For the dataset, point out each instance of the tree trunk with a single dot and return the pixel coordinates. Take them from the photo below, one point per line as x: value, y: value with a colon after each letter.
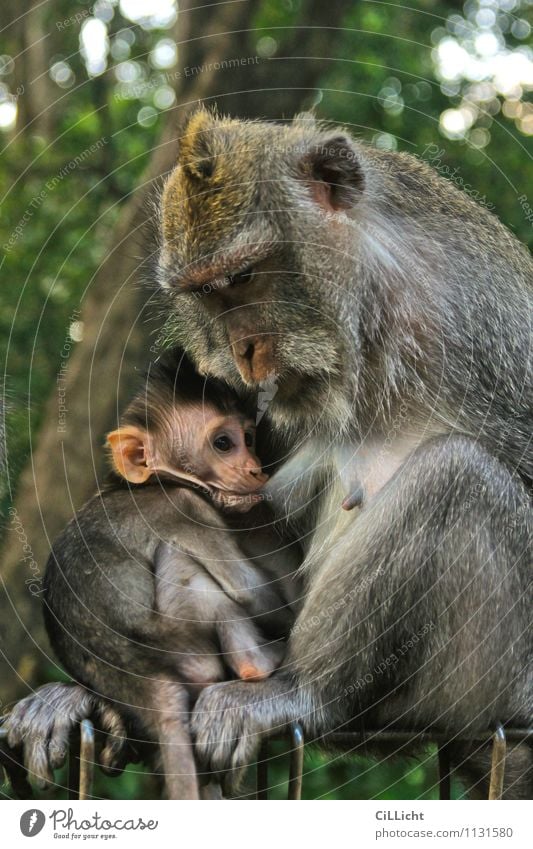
x: 37, y: 102
x: 66, y: 465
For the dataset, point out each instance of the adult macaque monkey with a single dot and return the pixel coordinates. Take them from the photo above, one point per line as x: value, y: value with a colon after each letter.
x: 149, y: 590
x: 394, y: 316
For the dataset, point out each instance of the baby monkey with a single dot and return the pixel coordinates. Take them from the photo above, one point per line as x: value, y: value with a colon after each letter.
x: 186, y: 430
x: 152, y: 591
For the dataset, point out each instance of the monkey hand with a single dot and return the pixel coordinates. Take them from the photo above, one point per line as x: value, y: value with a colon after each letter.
x: 41, y: 725
x: 230, y: 720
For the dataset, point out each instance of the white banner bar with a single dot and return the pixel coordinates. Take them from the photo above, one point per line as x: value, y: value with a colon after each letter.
x: 268, y: 825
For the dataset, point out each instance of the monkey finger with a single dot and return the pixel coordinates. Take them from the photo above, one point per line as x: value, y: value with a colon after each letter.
x: 32, y: 740
x: 114, y: 760
x: 245, y: 753
x: 37, y: 762
x: 15, y: 725
x: 232, y: 782
x: 243, y: 756
x: 59, y: 740
x: 115, y: 753
x: 57, y: 751
x: 114, y: 756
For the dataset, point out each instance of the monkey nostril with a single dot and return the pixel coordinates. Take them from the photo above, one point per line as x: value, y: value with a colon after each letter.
x: 245, y: 349
x: 248, y: 353
x: 253, y: 355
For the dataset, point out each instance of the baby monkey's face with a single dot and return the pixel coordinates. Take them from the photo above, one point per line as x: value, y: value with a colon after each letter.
x: 200, y: 445
x: 226, y: 450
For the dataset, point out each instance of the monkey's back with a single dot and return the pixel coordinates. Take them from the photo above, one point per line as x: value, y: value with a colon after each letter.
x: 100, y: 589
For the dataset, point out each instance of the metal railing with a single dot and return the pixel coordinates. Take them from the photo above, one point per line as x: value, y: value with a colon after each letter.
x: 349, y: 742
x: 82, y: 757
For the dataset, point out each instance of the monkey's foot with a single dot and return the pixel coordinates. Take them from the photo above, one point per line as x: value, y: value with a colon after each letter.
x: 230, y: 719
x: 258, y: 664
x: 42, y: 724
x: 249, y: 671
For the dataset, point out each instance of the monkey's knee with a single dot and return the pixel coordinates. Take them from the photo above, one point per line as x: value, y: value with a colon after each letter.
x: 251, y: 655
x: 202, y: 669
x: 258, y: 664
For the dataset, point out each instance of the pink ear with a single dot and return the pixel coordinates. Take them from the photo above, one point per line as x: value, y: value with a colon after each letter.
x: 333, y: 171
x: 128, y: 446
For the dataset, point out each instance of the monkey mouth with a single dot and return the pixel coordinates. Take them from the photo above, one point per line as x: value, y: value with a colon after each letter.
x: 218, y: 494
x: 294, y: 381
x: 273, y: 387
x: 235, y: 493
x: 237, y: 499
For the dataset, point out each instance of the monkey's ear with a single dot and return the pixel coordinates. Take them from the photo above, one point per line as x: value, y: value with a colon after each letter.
x: 128, y: 453
x: 195, y: 156
x: 334, y: 172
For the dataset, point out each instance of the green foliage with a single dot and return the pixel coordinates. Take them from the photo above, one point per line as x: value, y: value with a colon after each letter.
x: 385, y: 88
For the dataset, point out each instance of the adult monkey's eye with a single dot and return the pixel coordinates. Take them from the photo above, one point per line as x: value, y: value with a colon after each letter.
x: 222, y: 443
x: 242, y: 277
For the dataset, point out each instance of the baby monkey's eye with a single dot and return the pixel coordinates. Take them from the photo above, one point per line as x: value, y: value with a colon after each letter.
x: 248, y: 439
x: 243, y: 276
x: 222, y: 443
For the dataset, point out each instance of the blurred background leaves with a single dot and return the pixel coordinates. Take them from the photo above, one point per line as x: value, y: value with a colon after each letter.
x: 91, y: 95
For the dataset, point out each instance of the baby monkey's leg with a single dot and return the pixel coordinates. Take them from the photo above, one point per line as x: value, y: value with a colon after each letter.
x: 245, y: 650
x: 200, y: 613
x: 251, y: 655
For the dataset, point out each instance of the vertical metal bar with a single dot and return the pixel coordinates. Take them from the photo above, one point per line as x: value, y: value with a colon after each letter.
x: 262, y: 772
x: 497, y: 772
x: 87, y: 754
x: 297, y: 761
x: 444, y: 772
x: 73, y: 779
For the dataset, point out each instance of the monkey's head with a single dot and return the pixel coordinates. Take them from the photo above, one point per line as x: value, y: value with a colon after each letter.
x: 187, y: 428
x: 255, y: 237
